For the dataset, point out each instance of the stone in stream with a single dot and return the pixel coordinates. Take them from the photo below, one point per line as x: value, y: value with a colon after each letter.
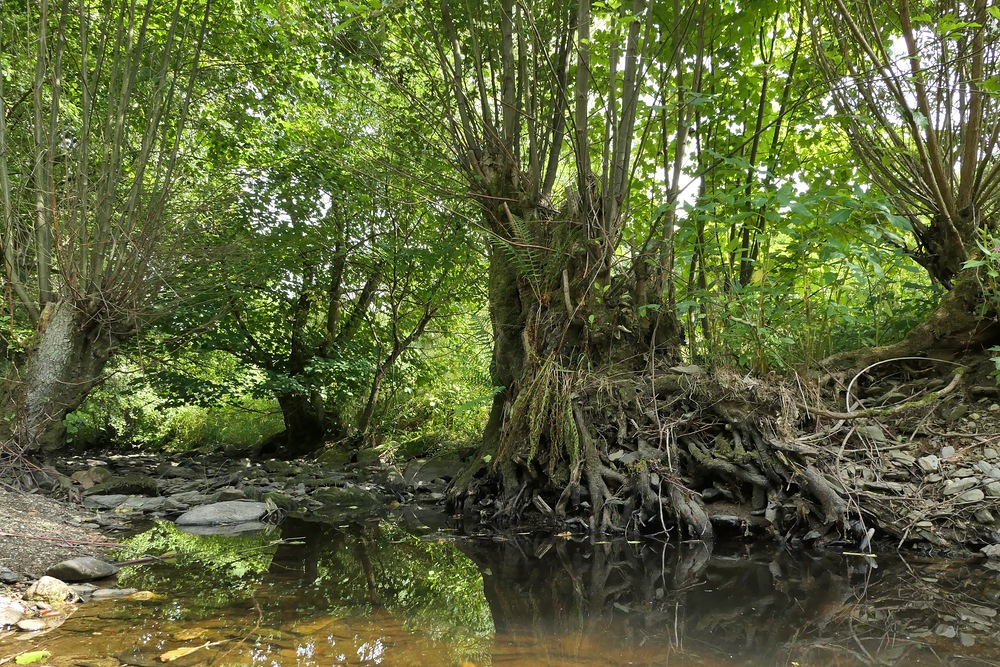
x: 11, y: 611
x: 226, y: 512
x: 49, y: 589
x: 82, y: 568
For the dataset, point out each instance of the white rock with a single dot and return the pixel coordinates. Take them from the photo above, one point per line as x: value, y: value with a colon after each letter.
x: 947, y: 452
x: 11, y: 611
x: 929, y: 463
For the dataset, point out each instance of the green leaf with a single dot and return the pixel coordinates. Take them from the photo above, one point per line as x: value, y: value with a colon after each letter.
x: 31, y: 656
x: 839, y: 217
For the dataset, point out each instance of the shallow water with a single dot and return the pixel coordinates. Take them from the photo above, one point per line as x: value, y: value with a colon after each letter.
x: 378, y: 593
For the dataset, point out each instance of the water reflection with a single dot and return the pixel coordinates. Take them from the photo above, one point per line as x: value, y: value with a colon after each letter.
x: 375, y: 594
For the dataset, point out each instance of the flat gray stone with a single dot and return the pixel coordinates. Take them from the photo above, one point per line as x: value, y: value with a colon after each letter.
x: 993, y: 489
x: 226, y: 512
x: 82, y: 568
x: 108, y: 502
x: 972, y: 496
x: 955, y: 486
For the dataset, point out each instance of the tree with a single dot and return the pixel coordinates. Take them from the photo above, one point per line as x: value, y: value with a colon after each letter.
x: 573, y: 124
x: 91, y: 158
x: 916, y: 85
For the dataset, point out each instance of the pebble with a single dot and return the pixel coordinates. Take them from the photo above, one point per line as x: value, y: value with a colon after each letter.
x: 993, y: 489
x: 929, y: 463
x: 985, y: 516
x: 947, y: 452
x: 32, y: 625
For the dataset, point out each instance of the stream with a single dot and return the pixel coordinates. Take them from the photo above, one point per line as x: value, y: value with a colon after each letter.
x: 400, y: 593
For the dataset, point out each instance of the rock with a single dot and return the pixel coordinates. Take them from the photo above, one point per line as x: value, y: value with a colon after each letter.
x: 91, y: 477
x: 947, y: 452
x: 32, y: 625
x: 993, y: 489
x: 929, y: 463
x: 231, y: 493
x: 873, y: 432
x: 985, y: 516
x: 991, y: 551
x: 990, y: 454
x: 281, y: 501
x: 104, y: 502
x: 345, y: 496
x: 143, y: 504
x: 11, y: 611
x: 962, y: 472
x: 9, y: 576
x: 422, y: 472
x: 49, y: 589
x: 112, y: 593
x: 227, y: 512
x: 954, y: 486
x: 82, y: 568
x: 972, y: 496
x: 132, y: 485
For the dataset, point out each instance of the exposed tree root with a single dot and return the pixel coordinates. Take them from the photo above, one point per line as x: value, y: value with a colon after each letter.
x: 704, y: 456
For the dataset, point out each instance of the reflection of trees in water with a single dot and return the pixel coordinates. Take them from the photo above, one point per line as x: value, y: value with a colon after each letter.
x: 753, y: 607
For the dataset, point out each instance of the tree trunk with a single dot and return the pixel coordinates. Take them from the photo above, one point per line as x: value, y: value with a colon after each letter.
x: 305, y: 427
x: 73, y: 347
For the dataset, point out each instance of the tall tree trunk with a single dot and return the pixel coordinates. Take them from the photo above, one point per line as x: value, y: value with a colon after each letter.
x: 305, y: 427
x: 73, y: 347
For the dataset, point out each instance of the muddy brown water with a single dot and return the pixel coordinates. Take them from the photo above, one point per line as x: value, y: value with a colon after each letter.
x: 381, y: 593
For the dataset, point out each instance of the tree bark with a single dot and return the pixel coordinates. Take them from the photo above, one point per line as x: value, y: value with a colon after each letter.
x: 73, y: 347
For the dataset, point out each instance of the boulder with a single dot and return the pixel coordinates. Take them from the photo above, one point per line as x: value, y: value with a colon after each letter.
x: 223, y: 513
x: 50, y: 590
x: 82, y: 568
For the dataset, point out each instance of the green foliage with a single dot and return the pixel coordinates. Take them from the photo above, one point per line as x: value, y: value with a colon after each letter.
x: 430, y: 583
x: 129, y: 411
x: 221, y: 569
